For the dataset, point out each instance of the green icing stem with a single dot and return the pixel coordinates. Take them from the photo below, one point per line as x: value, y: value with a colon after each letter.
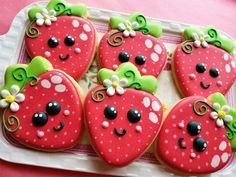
x: 215, y: 37
x: 11, y: 120
x: 145, y: 27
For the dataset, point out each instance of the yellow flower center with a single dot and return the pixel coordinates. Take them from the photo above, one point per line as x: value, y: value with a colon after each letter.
x: 221, y: 114
x: 202, y: 39
x: 10, y: 98
x: 114, y: 84
x: 129, y: 28
x: 46, y: 17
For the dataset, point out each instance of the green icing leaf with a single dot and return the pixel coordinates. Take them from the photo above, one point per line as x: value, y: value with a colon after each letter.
x: 216, y: 37
x: 61, y: 8
x: 145, y: 27
x: 218, y: 98
x: 130, y: 72
x: 20, y: 74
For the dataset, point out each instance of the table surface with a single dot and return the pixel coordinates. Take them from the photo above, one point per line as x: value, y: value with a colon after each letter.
x: 219, y: 13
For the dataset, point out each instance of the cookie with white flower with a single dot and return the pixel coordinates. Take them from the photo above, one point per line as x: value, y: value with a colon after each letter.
x: 61, y: 33
x: 203, y: 63
x: 36, y: 110
x: 122, y: 115
x: 198, y: 135
x: 134, y: 40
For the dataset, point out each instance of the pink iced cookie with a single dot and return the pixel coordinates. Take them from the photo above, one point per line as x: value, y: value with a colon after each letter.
x: 67, y: 41
x: 132, y: 41
x: 193, y: 138
x: 200, y: 68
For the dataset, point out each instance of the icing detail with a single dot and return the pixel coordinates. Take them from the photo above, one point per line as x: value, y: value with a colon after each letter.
x: 215, y: 161
x: 105, y: 124
x: 138, y: 129
x: 200, y: 39
x: 128, y: 28
x: 146, y: 102
x: 181, y: 125
x: 56, y: 79
x: 187, y: 47
x: 46, y: 84
x: 47, y: 54
x: 153, y: 117
x: 75, y: 23
x: 148, y: 43
x: 40, y: 134
x: 115, y: 39
x: 45, y: 17
x: 219, y: 83
x: 66, y: 113
x: 192, y: 76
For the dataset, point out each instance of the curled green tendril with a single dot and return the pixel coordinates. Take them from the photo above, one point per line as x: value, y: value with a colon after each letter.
x: 133, y: 83
x: 213, y: 38
x: 98, y: 96
x: 11, y: 121
x: 60, y: 9
x: 231, y: 131
x: 187, y: 47
x: 32, y: 31
x: 202, y: 110
x: 117, y: 40
x: 142, y: 24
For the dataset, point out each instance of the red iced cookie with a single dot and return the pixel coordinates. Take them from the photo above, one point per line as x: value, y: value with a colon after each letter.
x: 134, y: 40
x: 64, y: 37
x: 37, y: 111
x: 199, y: 67
x: 193, y: 136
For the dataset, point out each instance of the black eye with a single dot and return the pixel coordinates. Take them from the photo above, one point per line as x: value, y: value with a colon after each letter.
x: 53, y: 108
x: 69, y: 41
x: 201, y: 68
x: 194, y: 128
x: 110, y: 112
x: 53, y: 42
x: 199, y: 144
x: 140, y: 60
x: 214, y: 72
x: 124, y: 57
x: 134, y: 115
x: 39, y: 119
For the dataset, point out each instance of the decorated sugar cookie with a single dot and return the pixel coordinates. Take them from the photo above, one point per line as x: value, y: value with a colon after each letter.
x: 62, y: 34
x: 202, y: 64
x: 133, y: 40
x: 195, y: 138
x: 122, y: 115
x: 41, y: 106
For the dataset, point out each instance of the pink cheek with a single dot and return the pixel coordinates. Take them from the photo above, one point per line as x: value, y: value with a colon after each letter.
x: 181, y: 125
x: 115, y: 67
x: 47, y: 54
x: 192, y: 76
x: 219, y: 83
x: 66, y: 113
x: 77, y: 50
x: 144, y: 71
x: 193, y: 155
x: 138, y: 129
x: 40, y: 134
x: 105, y: 124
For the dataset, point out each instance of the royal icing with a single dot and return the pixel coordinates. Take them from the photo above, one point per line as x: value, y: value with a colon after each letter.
x: 36, y: 110
x: 67, y: 39
x: 120, y: 128
x: 190, y: 141
x: 134, y: 40
x: 201, y: 66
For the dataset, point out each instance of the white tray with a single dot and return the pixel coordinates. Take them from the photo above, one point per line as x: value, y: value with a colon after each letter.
x: 82, y: 159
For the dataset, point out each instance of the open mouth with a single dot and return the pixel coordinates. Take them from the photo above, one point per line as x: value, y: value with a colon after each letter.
x: 181, y: 143
x: 59, y: 127
x: 63, y: 58
x: 122, y: 133
x: 205, y: 86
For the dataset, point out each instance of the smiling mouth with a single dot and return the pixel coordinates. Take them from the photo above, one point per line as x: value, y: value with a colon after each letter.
x: 63, y: 58
x: 180, y: 142
x: 122, y: 133
x: 204, y: 86
x: 59, y: 127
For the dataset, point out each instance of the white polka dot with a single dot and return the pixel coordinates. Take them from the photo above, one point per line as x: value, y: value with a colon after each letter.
x: 75, y: 23
x: 146, y: 102
x: 83, y: 36
x: 56, y: 79
x: 155, y: 106
x: 158, y: 49
x: 154, y: 57
x: 86, y: 28
x: 153, y: 117
x: 233, y: 64
x: 226, y: 56
x: 224, y: 157
x: 148, y: 43
x: 45, y: 83
x: 60, y: 88
x: 215, y: 161
x: 222, y: 146
x: 227, y: 68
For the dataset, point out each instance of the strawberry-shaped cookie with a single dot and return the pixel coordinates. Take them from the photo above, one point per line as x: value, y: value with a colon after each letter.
x: 134, y: 40
x: 202, y: 64
x: 42, y: 106
x: 62, y: 34
x: 122, y: 117
x: 193, y: 137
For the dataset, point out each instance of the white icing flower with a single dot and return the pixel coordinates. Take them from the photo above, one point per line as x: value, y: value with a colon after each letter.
x: 45, y: 17
x: 200, y: 39
x: 115, y: 85
x: 128, y: 28
x: 221, y: 115
x: 12, y: 98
